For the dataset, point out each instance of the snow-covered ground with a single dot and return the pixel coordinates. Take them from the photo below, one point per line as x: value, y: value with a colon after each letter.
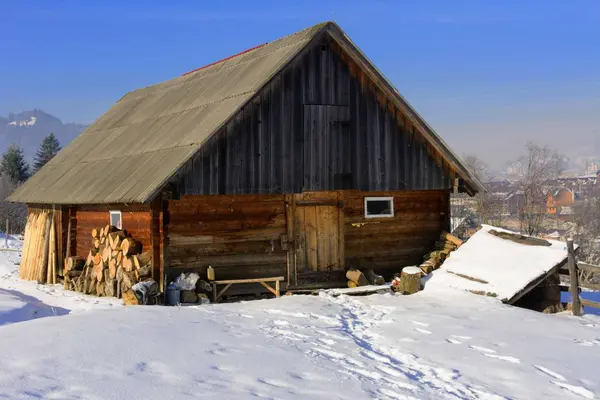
x: 440, y: 343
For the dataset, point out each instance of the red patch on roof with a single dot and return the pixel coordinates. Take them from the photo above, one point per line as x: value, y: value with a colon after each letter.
x: 225, y: 59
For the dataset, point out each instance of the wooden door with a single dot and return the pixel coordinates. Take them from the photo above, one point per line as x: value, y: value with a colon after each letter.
x: 318, y: 240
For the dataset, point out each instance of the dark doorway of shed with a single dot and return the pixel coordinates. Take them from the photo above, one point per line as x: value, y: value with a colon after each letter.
x: 318, y: 245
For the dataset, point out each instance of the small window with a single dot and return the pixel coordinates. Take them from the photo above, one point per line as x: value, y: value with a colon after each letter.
x: 115, y: 219
x: 379, y: 207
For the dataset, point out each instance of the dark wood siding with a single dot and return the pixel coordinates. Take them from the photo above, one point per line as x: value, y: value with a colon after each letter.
x: 240, y: 236
x: 319, y: 125
x: 386, y: 244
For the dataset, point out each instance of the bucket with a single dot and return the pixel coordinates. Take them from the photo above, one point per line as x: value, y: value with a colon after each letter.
x: 173, y: 296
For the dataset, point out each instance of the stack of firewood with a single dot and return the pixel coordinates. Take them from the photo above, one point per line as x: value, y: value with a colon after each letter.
x: 443, y: 247
x: 113, y: 265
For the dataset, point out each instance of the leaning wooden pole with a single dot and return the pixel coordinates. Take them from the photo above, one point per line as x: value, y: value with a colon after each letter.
x: 576, y: 303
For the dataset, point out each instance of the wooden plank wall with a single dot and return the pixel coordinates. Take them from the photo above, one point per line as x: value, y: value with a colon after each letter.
x: 136, y: 221
x: 264, y: 148
x: 240, y: 236
x: 385, y: 244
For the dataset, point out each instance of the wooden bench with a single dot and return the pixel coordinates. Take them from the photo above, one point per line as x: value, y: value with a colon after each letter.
x: 262, y: 281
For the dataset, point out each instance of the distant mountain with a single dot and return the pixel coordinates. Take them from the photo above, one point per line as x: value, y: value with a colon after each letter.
x: 28, y: 128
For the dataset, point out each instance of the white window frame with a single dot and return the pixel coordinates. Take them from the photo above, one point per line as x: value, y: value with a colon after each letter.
x: 111, y: 213
x: 390, y: 199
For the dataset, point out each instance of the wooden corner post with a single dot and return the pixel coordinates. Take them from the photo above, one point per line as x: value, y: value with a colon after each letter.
x: 576, y: 303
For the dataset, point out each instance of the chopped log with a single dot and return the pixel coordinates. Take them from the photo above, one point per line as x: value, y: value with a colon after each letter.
x: 112, y: 269
x: 356, y: 276
x: 100, y: 289
x: 109, y: 229
x: 115, y: 238
x: 517, y: 238
x: 110, y: 288
x: 96, y: 233
x: 140, y: 260
x: 130, y: 246
x: 119, y: 287
x: 106, y: 254
x: 96, y: 259
x: 74, y: 264
x: 96, y: 243
x: 410, y: 280
x: 451, y: 238
x: 119, y: 257
x: 103, y: 240
x: 127, y: 264
x: 119, y: 274
x: 98, y: 271
x: 352, y: 284
x: 129, y: 298
x: 427, y: 268
x: 128, y: 280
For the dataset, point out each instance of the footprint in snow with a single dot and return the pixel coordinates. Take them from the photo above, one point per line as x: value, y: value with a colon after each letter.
x: 492, y: 354
x: 553, y: 374
x: 423, y: 331
x: 578, y: 390
x: 588, y: 343
x: 420, y: 323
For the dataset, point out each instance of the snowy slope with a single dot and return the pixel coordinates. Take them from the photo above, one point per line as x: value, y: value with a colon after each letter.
x: 497, y: 265
x: 437, y: 344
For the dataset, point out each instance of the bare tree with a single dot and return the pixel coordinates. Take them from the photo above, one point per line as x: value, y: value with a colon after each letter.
x: 536, y: 170
x: 587, y: 230
x: 488, y: 205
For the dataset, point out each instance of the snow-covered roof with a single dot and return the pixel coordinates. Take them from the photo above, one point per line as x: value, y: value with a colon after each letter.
x: 497, y: 267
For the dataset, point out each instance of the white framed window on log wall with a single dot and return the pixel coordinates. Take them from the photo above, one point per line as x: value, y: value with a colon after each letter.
x: 379, y: 207
x: 116, y: 219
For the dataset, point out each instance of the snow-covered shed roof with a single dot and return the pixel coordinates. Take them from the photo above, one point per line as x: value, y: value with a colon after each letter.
x: 494, y: 266
x: 129, y: 154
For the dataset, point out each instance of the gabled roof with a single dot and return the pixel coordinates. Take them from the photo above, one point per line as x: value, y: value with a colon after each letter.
x: 131, y: 152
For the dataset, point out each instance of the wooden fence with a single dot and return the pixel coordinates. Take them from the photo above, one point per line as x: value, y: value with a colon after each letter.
x: 580, y: 276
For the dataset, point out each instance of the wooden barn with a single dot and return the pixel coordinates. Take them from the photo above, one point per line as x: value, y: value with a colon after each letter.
x: 295, y: 158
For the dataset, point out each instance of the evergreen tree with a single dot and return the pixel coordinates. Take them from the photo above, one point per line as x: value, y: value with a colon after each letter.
x: 48, y: 149
x: 13, y: 165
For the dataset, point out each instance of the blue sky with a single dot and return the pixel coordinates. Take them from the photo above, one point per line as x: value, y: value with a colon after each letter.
x: 488, y: 75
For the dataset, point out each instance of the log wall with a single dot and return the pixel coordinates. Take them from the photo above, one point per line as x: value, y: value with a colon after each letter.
x: 84, y: 218
x: 240, y: 236
x: 385, y: 244
x: 318, y: 125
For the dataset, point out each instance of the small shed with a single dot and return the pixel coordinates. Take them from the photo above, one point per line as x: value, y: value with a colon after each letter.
x: 295, y: 158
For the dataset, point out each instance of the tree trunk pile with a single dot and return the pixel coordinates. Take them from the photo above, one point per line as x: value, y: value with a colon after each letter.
x: 443, y: 247
x: 39, y: 256
x: 114, y: 264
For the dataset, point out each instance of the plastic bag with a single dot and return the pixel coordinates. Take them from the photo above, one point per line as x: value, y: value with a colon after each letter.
x: 186, y: 281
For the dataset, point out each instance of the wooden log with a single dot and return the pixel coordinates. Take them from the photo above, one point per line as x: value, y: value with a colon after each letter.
x: 410, y: 280
x: 74, y: 263
x: 356, y: 276
x: 115, y: 238
x: 96, y: 233
x: 119, y: 257
x: 451, y: 238
x: 106, y: 254
x: 142, y: 259
x: 127, y: 264
x: 100, y: 288
x: 73, y: 274
x: 98, y: 271
x: 119, y: 274
x: 97, y: 259
x: 129, y: 298
x: 43, y: 266
x: 573, y: 278
x: 96, y: 243
x: 112, y: 268
x: 128, y: 280
x: 521, y: 239
x: 110, y: 288
x: 352, y: 284
x: 130, y: 247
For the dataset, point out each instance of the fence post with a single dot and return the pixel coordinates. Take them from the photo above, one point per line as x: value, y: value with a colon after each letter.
x: 576, y: 304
